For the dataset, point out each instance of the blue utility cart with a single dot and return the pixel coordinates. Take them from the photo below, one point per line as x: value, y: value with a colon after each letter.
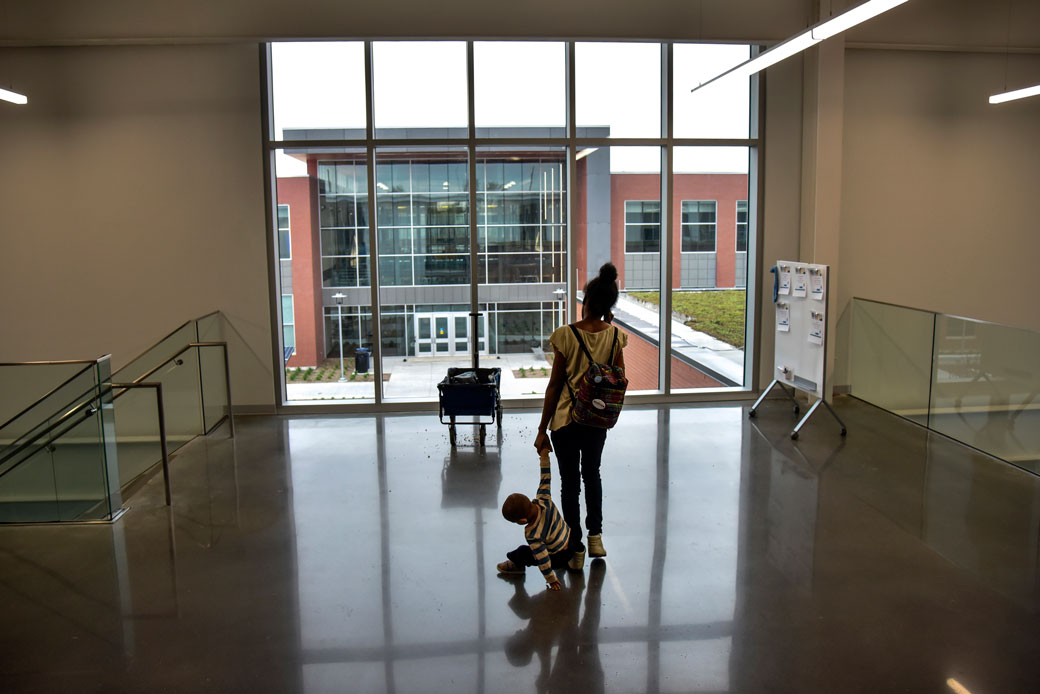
x: 469, y: 392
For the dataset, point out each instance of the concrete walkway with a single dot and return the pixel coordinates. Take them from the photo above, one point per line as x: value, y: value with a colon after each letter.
x: 416, y: 378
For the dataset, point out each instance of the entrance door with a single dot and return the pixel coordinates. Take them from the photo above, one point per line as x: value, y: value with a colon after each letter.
x: 432, y: 335
x: 447, y: 334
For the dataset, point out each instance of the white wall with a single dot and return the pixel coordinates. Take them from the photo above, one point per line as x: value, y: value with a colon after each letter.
x: 939, y: 187
x: 132, y: 200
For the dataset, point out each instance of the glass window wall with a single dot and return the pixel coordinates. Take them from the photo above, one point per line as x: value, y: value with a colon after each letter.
x: 708, y: 298
x: 546, y: 207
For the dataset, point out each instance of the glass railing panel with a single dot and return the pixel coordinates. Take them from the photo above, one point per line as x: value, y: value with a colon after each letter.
x: 157, y: 354
x: 214, y: 385
x: 80, y: 481
x: 27, y: 492
x: 891, y: 354
x: 33, y: 420
x: 59, y: 477
x: 137, y: 432
x: 23, y: 384
x: 211, y: 328
x: 986, y: 390
x: 182, y: 397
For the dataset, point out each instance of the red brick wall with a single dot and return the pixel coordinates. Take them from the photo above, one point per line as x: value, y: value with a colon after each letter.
x: 641, y: 360
x: 627, y: 187
x: 301, y: 195
x: 725, y: 189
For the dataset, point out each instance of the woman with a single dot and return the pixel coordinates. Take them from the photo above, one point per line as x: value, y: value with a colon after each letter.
x: 578, y: 447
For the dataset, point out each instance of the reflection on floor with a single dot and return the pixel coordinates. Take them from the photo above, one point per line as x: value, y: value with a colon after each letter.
x: 357, y: 554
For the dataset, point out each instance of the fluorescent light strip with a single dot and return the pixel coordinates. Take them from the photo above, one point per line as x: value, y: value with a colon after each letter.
x: 1017, y: 94
x: 13, y: 97
x: 810, y: 37
x: 585, y: 152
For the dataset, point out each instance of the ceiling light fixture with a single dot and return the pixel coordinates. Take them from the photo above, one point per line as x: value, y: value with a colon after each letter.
x: 13, y: 97
x: 1017, y: 94
x: 810, y: 37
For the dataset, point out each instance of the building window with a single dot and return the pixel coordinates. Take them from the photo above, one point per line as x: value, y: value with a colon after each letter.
x: 698, y: 226
x: 742, y: 226
x: 288, y: 322
x: 520, y: 218
x: 643, y: 226
x: 343, y: 217
x: 284, y: 243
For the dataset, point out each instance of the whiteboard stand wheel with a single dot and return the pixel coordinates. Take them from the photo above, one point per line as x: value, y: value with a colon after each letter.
x: 797, y: 409
x: 843, y: 432
x: 751, y: 414
x: 794, y: 435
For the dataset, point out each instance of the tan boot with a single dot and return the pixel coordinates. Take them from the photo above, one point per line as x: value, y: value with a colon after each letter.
x: 577, y: 562
x: 596, y: 546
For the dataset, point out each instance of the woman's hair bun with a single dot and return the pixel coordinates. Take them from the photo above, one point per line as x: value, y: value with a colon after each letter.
x: 608, y: 273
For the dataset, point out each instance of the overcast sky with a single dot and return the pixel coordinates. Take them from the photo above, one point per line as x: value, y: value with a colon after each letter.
x: 423, y: 84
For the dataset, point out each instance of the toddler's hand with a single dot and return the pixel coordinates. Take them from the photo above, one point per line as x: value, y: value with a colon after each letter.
x: 541, y: 442
x: 554, y: 584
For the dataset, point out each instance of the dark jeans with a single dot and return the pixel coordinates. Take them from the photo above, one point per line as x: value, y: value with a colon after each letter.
x: 524, y: 556
x: 578, y: 449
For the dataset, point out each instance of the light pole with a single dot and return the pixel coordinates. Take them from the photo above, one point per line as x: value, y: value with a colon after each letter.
x: 560, y: 293
x: 339, y: 296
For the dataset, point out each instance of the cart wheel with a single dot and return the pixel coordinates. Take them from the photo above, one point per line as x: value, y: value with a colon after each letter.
x: 483, y: 434
x: 451, y: 435
x: 499, y: 416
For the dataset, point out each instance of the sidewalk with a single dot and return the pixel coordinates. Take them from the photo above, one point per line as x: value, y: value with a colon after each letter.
x: 416, y: 378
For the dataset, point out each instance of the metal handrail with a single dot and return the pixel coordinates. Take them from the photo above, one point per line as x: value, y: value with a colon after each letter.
x: 171, y: 334
x: 48, y: 363
x: 63, y: 419
x: 161, y: 412
x: 227, y: 375
x: 52, y: 391
x: 139, y: 382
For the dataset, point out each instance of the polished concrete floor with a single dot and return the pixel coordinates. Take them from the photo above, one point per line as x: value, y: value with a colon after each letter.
x: 356, y: 554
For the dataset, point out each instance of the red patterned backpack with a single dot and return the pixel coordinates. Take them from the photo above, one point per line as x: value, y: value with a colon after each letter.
x: 601, y: 392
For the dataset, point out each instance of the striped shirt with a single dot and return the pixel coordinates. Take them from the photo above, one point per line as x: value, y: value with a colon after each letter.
x: 550, y: 534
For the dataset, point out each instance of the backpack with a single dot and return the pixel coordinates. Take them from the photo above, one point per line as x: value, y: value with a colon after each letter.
x: 601, y: 392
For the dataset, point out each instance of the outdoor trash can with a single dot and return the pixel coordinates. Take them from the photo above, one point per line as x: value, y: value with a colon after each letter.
x: 361, y: 358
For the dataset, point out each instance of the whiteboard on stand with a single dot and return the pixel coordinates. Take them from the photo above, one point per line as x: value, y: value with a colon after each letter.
x: 800, y: 325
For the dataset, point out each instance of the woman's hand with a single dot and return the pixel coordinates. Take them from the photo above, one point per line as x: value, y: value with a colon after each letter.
x: 541, y: 442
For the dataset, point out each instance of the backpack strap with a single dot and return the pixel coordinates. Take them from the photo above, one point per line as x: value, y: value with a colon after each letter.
x: 567, y: 380
x: 581, y: 342
x: 613, y: 347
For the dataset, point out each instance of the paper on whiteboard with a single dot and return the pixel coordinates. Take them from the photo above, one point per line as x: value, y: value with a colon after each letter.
x: 783, y: 318
x: 816, y: 284
x: 816, y: 328
x: 785, y: 280
x: 800, y: 282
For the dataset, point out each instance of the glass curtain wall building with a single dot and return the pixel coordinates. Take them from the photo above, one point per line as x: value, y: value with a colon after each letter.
x: 437, y: 230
